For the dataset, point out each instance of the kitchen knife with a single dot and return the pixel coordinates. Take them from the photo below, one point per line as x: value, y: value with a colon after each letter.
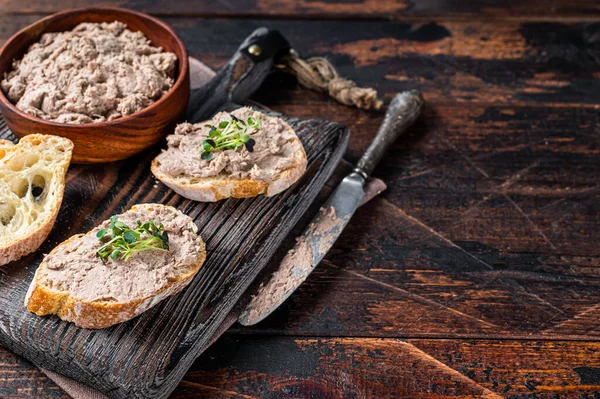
x: 334, y: 215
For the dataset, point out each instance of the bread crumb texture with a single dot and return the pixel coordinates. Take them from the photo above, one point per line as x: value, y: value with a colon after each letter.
x: 32, y: 179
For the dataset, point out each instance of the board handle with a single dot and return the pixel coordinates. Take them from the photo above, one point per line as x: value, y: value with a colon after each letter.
x: 240, y: 77
x: 404, y: 109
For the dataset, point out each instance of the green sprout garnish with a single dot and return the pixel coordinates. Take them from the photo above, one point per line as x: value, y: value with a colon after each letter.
x: 229, y: 135
x: 121, y: 241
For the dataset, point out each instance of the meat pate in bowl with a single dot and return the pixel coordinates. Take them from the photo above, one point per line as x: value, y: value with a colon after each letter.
x: 114, y: 81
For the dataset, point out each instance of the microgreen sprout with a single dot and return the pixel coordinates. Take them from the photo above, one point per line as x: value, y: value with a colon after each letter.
x: 121, y: 241
x: 229, y: 135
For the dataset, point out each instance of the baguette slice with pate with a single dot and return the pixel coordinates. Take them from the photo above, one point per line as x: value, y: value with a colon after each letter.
x: 80, y: 286
x: 276, y: 161
x: 32, y: 183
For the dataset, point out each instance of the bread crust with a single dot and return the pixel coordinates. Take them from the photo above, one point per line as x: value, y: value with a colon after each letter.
x: 44, y: 301
x: 211, y: 189
x: 25, y: 245
x: 28, y: 244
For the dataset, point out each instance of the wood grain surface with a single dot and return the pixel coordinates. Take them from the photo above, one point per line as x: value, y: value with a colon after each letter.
x: 252, y: 367
x: 482, y: 252
x: 306, y: 9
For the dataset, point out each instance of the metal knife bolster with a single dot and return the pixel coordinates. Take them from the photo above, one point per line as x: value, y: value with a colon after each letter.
x: 327, y: 225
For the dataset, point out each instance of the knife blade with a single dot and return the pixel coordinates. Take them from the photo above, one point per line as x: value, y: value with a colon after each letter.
x: 324, y: 229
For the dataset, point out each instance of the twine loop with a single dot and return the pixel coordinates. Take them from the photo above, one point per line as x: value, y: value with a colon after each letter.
x: 319, y: 75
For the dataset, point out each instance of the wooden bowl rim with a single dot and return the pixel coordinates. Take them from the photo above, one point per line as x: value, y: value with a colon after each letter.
x: 180, y: 78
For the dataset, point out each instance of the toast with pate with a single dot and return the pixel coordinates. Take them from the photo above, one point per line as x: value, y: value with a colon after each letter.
x: 32, y: 183
x: 240, y: 154
x: 119, y: 269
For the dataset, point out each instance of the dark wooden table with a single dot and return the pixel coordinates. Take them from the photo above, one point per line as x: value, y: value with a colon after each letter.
x: 476, y: 273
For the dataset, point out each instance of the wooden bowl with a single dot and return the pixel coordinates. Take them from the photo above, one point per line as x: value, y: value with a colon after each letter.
x: 122, y: 137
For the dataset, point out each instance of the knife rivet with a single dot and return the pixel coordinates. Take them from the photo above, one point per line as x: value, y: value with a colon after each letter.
x: 255, y: 50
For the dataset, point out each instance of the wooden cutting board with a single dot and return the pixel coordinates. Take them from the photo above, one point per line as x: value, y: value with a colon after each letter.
x: 147, y: 357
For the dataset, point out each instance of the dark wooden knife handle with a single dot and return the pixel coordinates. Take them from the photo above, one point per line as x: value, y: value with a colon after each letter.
x: 404, y: 109
x: 240, y: 77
